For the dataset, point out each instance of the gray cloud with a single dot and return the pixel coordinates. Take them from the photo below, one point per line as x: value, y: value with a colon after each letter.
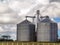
x: 7, y: 28
x: 54, y: 0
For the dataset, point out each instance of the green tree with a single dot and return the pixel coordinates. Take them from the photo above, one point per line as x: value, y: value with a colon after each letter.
x: 6, y: 37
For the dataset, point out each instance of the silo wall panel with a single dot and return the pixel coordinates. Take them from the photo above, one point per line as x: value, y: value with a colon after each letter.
x: 26, y: 32
x: 54, y: 32
x: 32, y: 32
x: 43, y: 33
x: 23, y: 33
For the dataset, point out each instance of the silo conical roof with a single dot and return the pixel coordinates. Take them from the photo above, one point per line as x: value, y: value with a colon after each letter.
x: 25, y: 22
x: 47, y: 19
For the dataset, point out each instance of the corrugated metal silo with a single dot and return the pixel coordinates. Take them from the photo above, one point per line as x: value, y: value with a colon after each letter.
x: 47, y: 30
x: 25, y: 31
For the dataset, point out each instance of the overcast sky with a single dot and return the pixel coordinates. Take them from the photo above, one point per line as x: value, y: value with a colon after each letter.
x: 14, y: 11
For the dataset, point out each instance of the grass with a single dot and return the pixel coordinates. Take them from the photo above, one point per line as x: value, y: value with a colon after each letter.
x: 0, y: 43
x: 28, y: 43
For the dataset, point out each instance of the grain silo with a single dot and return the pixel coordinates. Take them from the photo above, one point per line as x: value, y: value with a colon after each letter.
x: 47, y: 30
x: 25, y: 31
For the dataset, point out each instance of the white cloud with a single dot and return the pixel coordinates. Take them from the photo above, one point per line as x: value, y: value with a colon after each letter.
x: 8, y: 28
x: 17, y: 5
x: 42, y: 1
x: 53, y: 20
x: 53, y: 9
x: 3, y: 7
x: 13, y: 36
x: 1, y: 30
x: 7, y: 15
